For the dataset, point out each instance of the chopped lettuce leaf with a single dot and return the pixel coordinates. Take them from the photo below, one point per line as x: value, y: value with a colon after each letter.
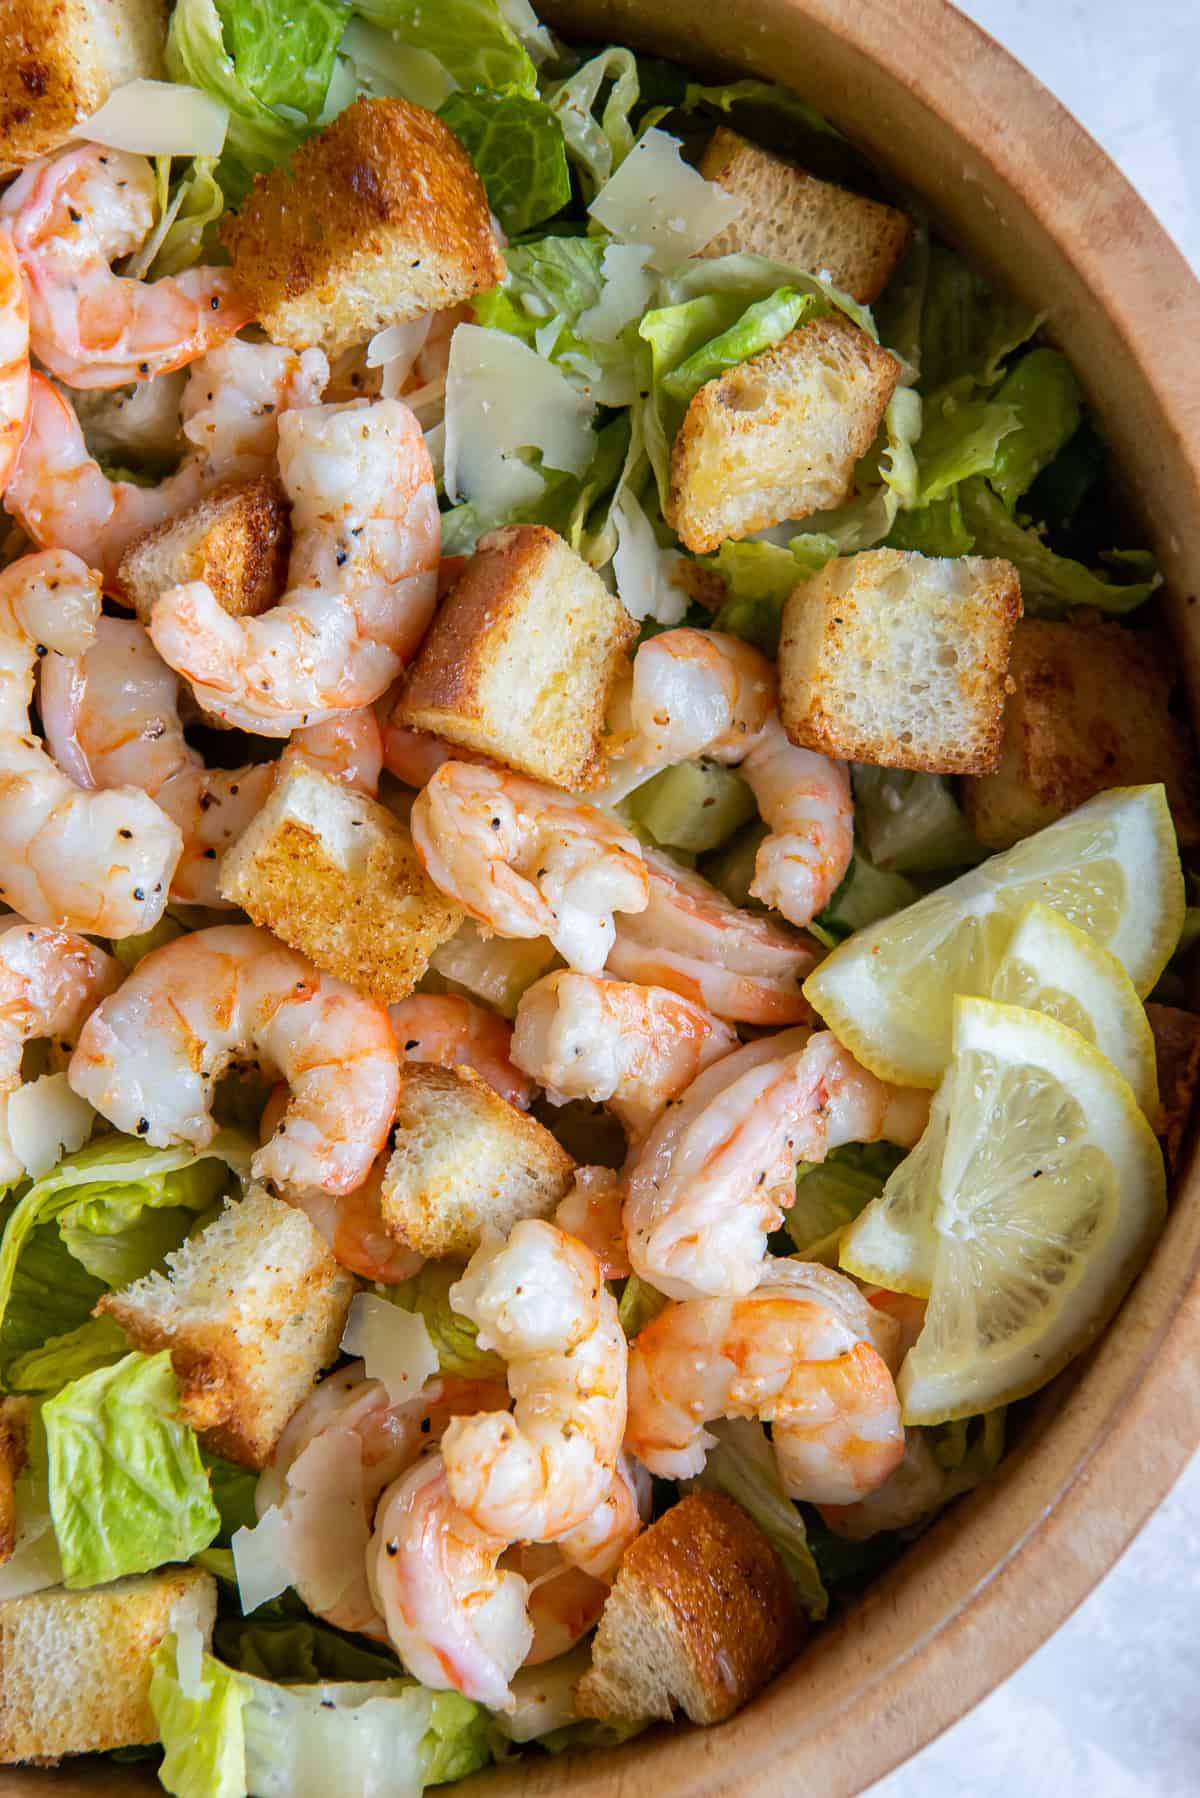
x: 196, y: 203
x: 910, y: 823
x: 846, y: 1566
x: 119, y: 1253
x: 516, y: 143
x: 759, y: 578
x: 831, y: 1193
x: 963, y: 435
x: 736, y: 96
x: 472, y: 40
x: 258, y: 137
x: 1052, y: 584
x: 742, y: 1465
x: 283, y: 50
x: 939, y: 1464
x: 640, y: 1304
x: 760, y: 326
x: 1044, y: 394
x: 60, y: 1359
x: 933, y: 530
x: 232, y: 1488
x: 866, y: 893
x: 128, y: 1490
x: 298, y: 1651
x: 201, y: 1728
x: 967, y: 327
x: 50, y: 1293
x: 376, y: 64
x: 452, y: 1335
x: 129, y: 950
x: 694, y: 806
x: 598, y: 146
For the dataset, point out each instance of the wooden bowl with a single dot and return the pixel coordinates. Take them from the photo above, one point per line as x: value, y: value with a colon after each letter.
x: 1030, y: 197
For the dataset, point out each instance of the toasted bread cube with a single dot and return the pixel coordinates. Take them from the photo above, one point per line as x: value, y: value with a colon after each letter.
x: 336, y: 876
x: 521, y: 656
x: 236, y: 539
x: 1177, y: 1047
x: 62, y: 59
x: 792, y: 217
x: 778, y: 436
x: 252, y: 1308
x: 15, y: 1414
x: 75, y: 1666
x: 375, y: 219
x: 900, y: 659
x: 465, y: 1161
x: 700, y: 1617
x: 1089, y: 711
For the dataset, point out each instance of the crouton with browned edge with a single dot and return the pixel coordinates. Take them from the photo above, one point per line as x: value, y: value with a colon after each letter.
x: 62, y: 59
x: 1177, y: 1048
x: 75, y: 1666
x: 521, y: 657
x: 251, y: 1308
x: 1089, y: 711
x: 779, y: 435
x: 700, y: 1617
x: 14, y: 1439
x: 901, y: 660
x: 465, y: 1161
x: 375, y: 219
x: 236, y: 540
x: 336, y: 876
x: 792, y: 217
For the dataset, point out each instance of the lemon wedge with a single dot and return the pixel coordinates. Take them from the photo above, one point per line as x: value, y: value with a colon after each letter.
x: 892, y: 1242
x: 1051, y: 1194
x: 1111, y: 868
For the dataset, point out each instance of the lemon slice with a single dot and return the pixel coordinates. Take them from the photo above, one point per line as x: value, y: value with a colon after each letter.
x: 1051, y: 1194
x: 1111, y: 868
x: 1052, y: 966
x: 891, y: 1242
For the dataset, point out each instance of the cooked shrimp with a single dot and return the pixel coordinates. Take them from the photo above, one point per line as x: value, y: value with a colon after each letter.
x: 718, y: 1170
x: 528, y: 861
x: 691, y: 939
x: 348, y: 747
x: 570, y: 1579
x: 633, y: 1048
x: 345, y: 1443
x: 98, y: 862
x: 362, y: 578
x: 71, y: 216
x: 781, y: 1353
x: 451, y: 1031
x: 917, y: 1487
x: 805, y: 801
x: 907, y: 1311
x: 457, y: 1621
x: 540, y: 1301
x: 414, y: 756
x: 50, y: 981
x: 150, y: 1056
x: 592, y: 1212
x: 231, y: 408
x: 14, y: 358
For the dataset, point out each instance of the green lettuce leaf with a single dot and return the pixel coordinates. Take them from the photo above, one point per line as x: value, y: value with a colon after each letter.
x: 760, y: 326
x: 297, y: 1651
x: 640, y: 1304
x: 940, y: 1464
x: 283, y: 50
x: 1052, y: 584
x: 910, y: 823
x: 936, y: 529
x: 597, y: 147
x: 60, y: 1359
x: 257, y: 137
x: 202, y: 1730
x: 196, y: 203
x: 759, y: 578
x: 516, y: 143
x: 963, y: 435
x: 742, y: 1465
x: 49, y: 1293
x: 831, y: 1193
x: 452, y: 1335
x: 1044, y: 394
x: 128, y: 1491
x: 374, y: 63
x: 967, y: 327
x: 471, y: 39
x: 232, y: 1489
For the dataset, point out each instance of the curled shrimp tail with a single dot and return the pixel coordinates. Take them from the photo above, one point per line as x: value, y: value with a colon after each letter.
x: 15, y: 387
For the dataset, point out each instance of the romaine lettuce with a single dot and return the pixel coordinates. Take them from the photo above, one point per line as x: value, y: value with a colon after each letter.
x: 1052, y: 584
x: 967, y: 327
x: 598, y: 146
x: 372, y: 62
x: 283, y: 50
x: 910, y: 823
x: 258, y: 137
x: 760, y: 326
x: 128, y: 1490
x: 60, y: 1359
x: 571, y: 299
x: 759, y: 577
x: 452, y: 1334
x: 50, y: 1294
x: 472, y: 40
x: 516, y: 143
x: 639, y: 1305
x: 831, y: 1193
x: 1044, y: 394
x: 742, y: 1465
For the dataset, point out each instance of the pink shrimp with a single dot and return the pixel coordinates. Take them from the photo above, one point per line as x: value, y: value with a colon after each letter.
x: 592, y: 1212
x: 451, y: 1031
x: 527, y: 860
x: 149, y: 1057
x: 718, y: 1170
x: 691, y: 939
x: 14, y: 358
x: 361, y: 583
x: 414, y: 756
x: 634, y: 1048
x: 799, y: 1351
x: 806, y: 803
x: 71, y: 216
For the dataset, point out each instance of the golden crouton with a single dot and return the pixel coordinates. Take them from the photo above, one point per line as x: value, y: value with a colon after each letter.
x: 1089, y: 711
x: 336, y: 876
x: 62, y: 59
x: 252, y: 1308
x: 465, y: 1160
x: 901, y: 660
x: 521, y: 657
x: 778, y: 436
x: 14, y: 1439
x: 75, y: 1666
x: 700, y: 1617
x: 792, y: 217
x: 1177, y: 1046
x: 375, y: 219
x: 236, y: 539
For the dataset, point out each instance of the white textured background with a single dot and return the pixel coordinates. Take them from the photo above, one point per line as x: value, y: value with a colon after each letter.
x: 1110, y: 1707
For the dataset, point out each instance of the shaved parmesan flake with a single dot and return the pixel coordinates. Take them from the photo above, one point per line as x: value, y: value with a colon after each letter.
x: 34, y: 1562
x: 502, y: 398
x: 46, y: 1121
x: 394, y: 1344
x: 189, y: 1652
x: 396, y: 348
x: 643, y: 570
x: 626, y: 293
x: 159, y: 118
x: 260, y: 1560
x: 656, y: 198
